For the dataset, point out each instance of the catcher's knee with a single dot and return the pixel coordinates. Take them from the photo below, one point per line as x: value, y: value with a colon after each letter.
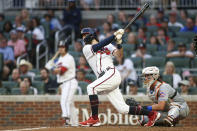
x: 174, y: 111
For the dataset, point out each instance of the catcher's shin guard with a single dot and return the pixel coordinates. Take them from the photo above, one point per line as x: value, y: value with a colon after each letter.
x: 169, y: 121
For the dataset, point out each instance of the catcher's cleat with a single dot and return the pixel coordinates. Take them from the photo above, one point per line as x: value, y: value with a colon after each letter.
x: 168, y: 121
x: 90, y: 122
x: 153, y: 118
x: 141, y: 121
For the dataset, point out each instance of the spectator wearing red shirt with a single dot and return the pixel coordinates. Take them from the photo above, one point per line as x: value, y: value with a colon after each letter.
x: 153, y: 21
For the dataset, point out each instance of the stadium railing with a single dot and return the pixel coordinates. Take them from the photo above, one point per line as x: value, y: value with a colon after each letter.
x: 24, y: 56
x: 103, y: 4
x: 67, y: 33
x: 41, y: 54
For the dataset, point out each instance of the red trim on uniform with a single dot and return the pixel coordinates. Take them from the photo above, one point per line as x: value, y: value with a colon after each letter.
x: 96, y: 64
x: 100, y: 62
x: 113, y: 52
x: 104, y: 81
x: 157, y: 91
x: 63, y: 69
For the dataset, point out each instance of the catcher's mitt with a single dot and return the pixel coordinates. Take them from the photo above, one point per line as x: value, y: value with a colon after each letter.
x: 195, y: 43
x: 131, y: 102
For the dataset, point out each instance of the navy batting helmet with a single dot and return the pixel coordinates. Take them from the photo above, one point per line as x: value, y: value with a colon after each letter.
x: 90, y: 35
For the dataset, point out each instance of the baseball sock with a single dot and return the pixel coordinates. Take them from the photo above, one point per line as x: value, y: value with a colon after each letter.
x: 94, y: 105
x: 138, y: 110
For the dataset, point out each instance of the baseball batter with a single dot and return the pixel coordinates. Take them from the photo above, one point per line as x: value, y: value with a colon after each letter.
x: 99, y: 56
x: 65, y: 70
x: 165, y: 97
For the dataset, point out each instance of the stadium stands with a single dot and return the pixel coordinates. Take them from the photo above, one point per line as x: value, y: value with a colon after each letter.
x: 155, y: 61
x: 158, y: 51
x: 83, y: 86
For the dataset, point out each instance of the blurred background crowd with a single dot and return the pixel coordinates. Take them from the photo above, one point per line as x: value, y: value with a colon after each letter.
x: 162, y: 38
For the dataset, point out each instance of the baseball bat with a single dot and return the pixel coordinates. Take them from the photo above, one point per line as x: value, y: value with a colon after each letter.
x: 144, y: 8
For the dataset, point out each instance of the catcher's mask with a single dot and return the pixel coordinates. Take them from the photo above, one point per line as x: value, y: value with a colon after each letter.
x: 149, y: 75
x: 90, y: 35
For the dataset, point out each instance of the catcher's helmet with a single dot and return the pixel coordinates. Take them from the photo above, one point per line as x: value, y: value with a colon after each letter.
x: 90, y: 35
x: 153, y: 71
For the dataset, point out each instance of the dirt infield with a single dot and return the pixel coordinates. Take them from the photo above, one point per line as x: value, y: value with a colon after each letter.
x: 105, y: 128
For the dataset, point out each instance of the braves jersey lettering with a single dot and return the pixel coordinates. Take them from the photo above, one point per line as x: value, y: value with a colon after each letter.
x: 99, y: 60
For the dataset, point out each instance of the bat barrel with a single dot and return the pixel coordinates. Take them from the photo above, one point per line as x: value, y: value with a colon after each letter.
x: 144, y: 8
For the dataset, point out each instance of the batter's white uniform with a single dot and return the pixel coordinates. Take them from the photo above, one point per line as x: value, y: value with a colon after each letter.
x: 68, y: 85
x: 101, y: 61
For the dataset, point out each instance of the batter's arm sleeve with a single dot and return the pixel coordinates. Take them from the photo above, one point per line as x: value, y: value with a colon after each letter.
x: 103, y: 43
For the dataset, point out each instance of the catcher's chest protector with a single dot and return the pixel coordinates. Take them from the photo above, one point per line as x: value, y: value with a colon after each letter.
x: 153, y: 94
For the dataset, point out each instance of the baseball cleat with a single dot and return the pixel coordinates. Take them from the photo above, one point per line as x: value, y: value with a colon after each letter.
x: 168, y: 121
x: 141, y: 121
x: 153, y: 118
x: 90, y: 122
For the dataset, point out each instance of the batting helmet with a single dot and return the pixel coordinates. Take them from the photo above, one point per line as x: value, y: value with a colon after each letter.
x: 91, y: 35
x: 62, y: 43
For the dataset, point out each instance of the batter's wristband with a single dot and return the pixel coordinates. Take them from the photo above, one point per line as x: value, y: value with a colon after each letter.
x: 119, y: 46
x: 149, y: 108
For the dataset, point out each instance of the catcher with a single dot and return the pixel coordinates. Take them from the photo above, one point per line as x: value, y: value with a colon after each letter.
x: 166, y: 99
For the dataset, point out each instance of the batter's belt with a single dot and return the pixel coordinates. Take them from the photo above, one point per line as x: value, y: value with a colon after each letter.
x: 65, y: 81
x: 103, y: 72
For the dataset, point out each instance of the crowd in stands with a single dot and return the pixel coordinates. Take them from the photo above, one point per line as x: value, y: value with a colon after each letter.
x: 161, y: 39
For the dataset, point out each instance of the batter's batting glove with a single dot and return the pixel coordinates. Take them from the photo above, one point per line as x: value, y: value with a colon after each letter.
x: 119, y: 33
x: 195, y: 43
x: 119, y: 41
x: 131, y: 102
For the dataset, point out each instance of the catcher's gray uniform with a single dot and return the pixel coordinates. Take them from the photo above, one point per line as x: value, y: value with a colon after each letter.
x: 177, y: 107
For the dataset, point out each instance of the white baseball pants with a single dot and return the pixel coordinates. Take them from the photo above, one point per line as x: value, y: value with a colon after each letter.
x: 108, y: 84
x: 67, y: 94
